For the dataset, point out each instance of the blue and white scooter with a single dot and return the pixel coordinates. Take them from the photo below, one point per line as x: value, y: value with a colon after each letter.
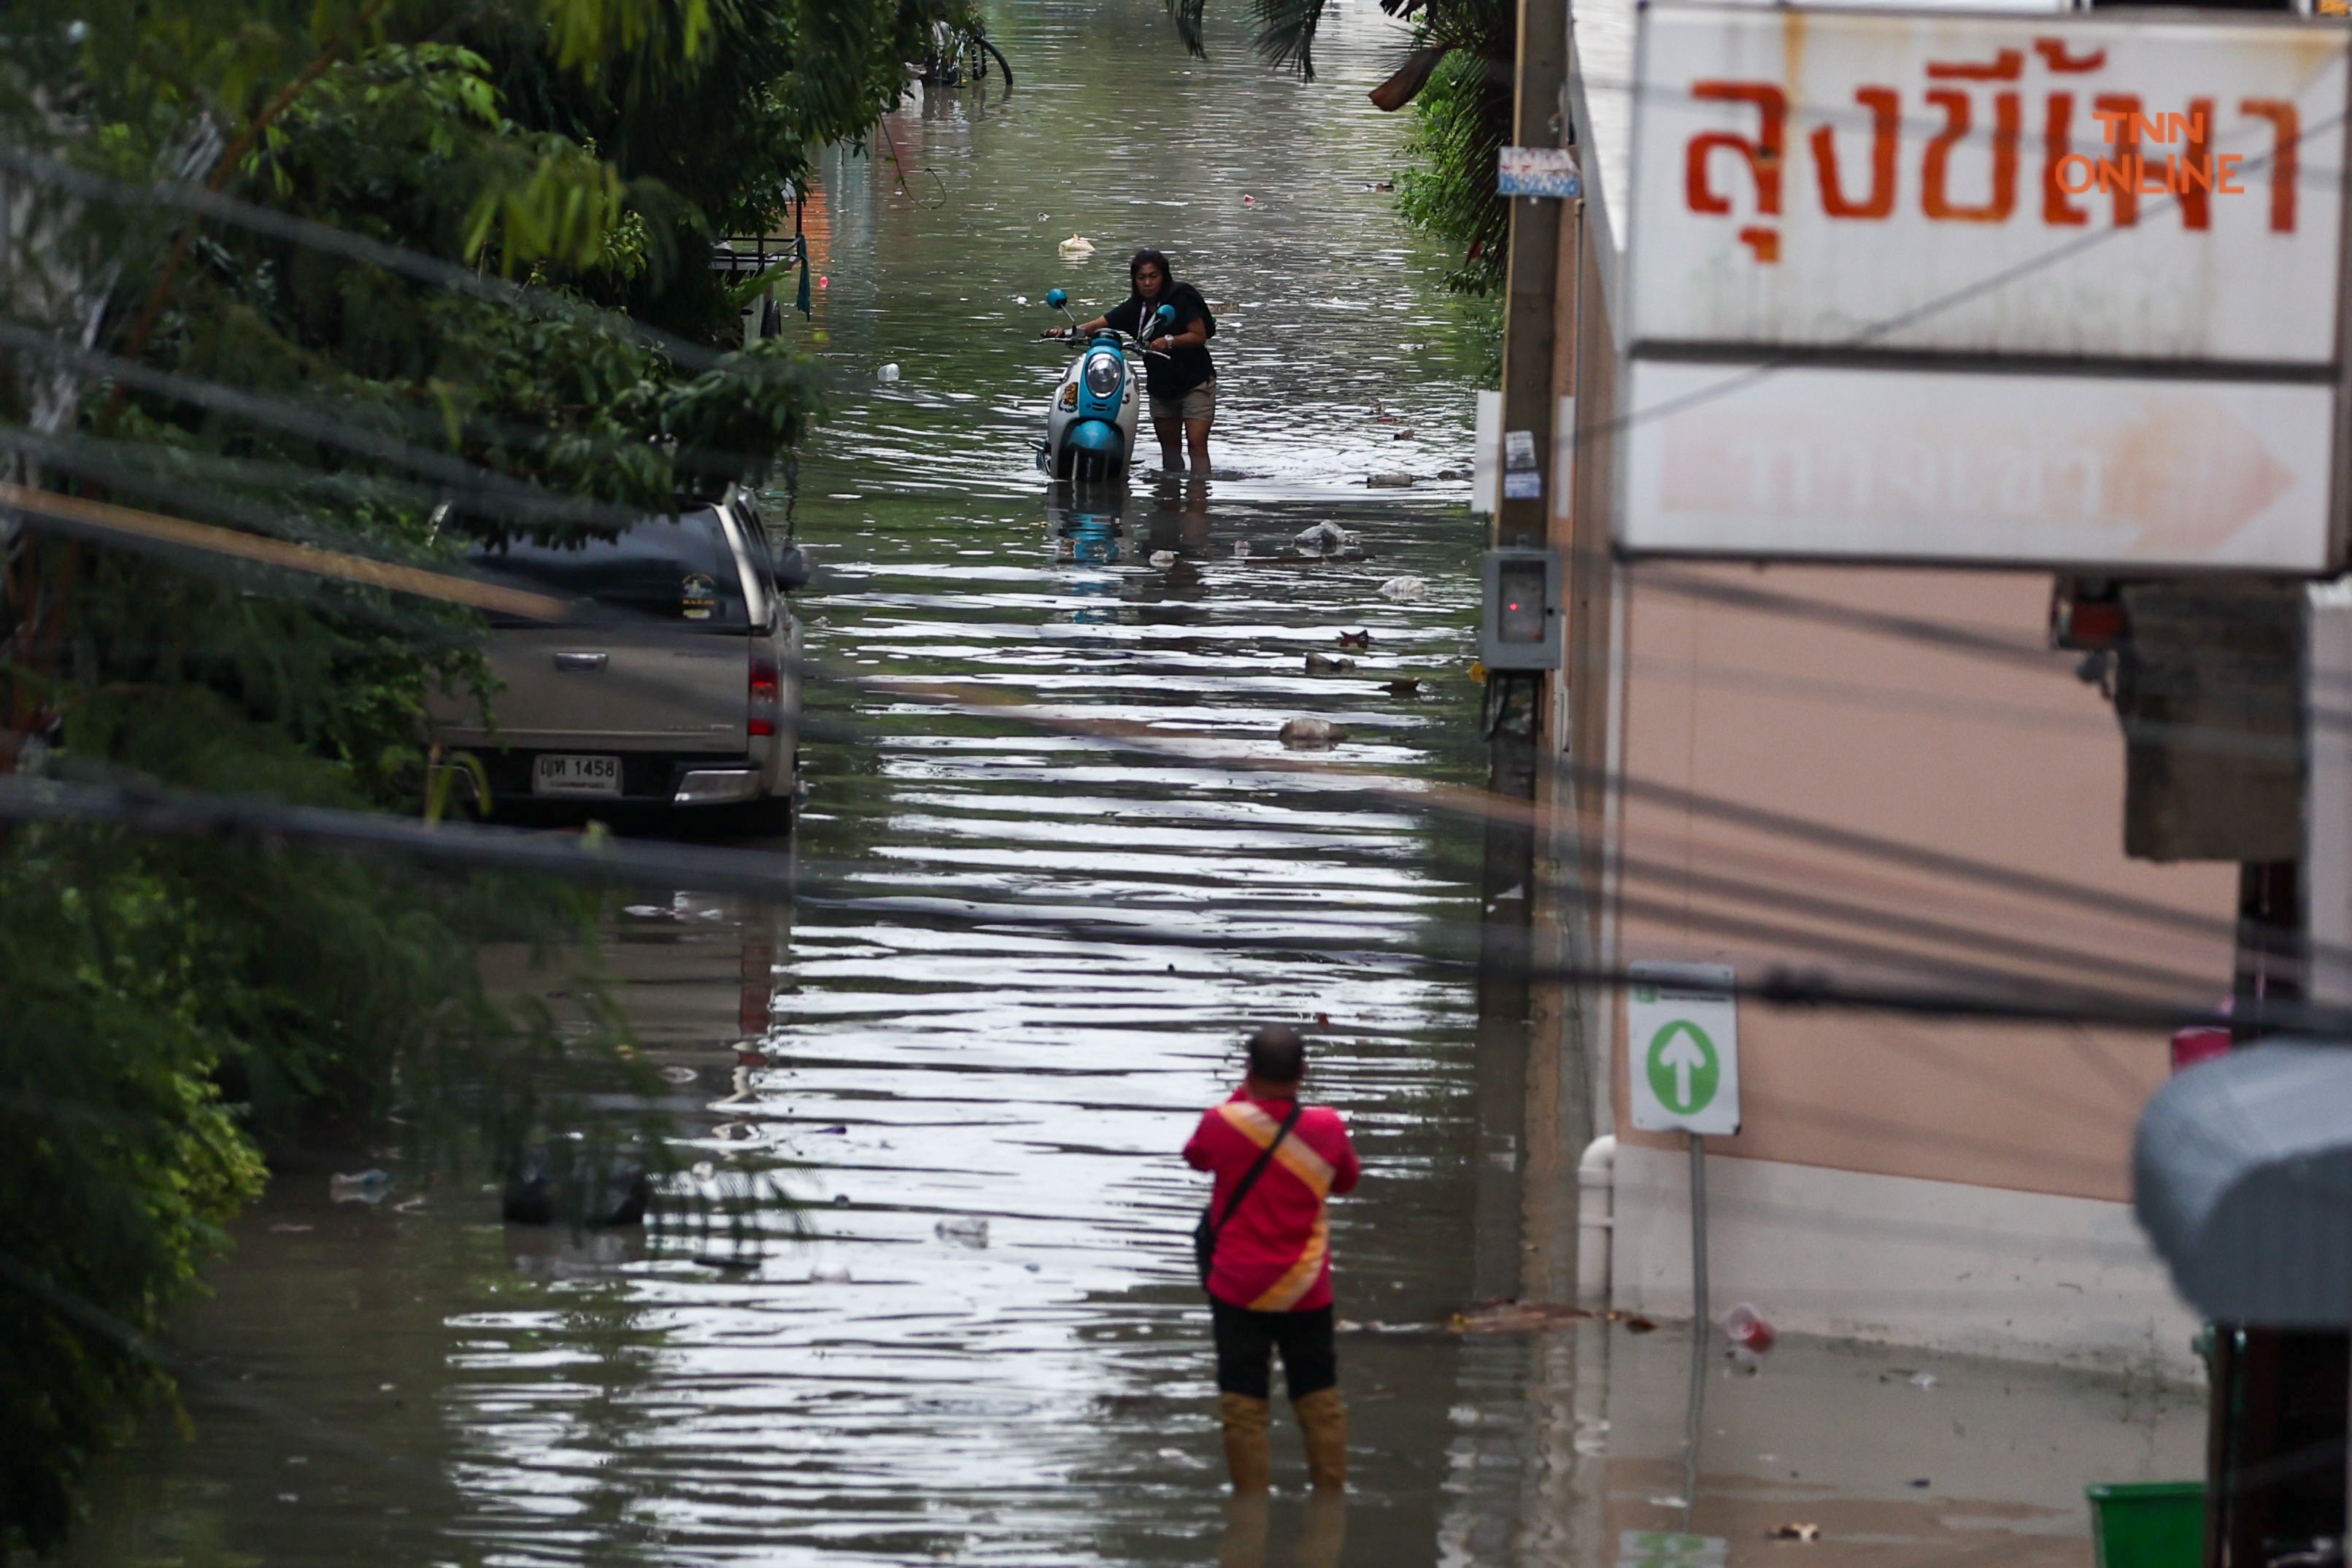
x: 1090, y: 424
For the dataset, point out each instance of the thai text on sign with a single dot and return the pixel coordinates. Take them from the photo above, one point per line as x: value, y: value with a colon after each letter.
x: 1926, y: 181
x: 2118, y: 162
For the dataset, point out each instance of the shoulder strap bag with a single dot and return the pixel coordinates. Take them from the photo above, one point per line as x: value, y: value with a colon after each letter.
x: 1212, y: 1225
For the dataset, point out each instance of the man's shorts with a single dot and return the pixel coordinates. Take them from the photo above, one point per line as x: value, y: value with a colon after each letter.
x: 1246, y: 1342
x: 1200, y: 403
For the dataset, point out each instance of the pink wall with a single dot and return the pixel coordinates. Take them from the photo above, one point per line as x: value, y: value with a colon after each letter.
x: 2008, y: 760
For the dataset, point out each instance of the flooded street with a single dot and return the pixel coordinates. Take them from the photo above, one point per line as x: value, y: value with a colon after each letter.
x: 977, y: 1337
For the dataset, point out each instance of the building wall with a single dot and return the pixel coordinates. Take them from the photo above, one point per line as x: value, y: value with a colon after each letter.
x: 1885, y: 775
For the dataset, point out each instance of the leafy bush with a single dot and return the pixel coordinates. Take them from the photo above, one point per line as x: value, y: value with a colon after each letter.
x: 174, y: 1007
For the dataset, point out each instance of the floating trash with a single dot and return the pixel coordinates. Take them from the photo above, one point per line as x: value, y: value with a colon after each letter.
x: 361, y: 1186
x: 1324, y: 539
x: 1744, y: 1326
x: 1923, y: 1380
x: 1515, y: 1317
x: 1794, y: 1532
x: 1356, y: 639
x: 1327, y: 664
x: 705, y: 1171
x: 1405, y: 687
x: 678, y: 1075
x: 1403, y: 590
x: 1078, y: 244
x: 1311, y: 734
x: 1389, y: 481
x: 964, y: 1231
x: 1163, y: 559
x: 888, y: 374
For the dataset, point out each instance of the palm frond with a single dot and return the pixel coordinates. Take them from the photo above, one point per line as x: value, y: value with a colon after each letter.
x: 1186, y: 14
x: 1405, y: 83
x: 1286, y: 36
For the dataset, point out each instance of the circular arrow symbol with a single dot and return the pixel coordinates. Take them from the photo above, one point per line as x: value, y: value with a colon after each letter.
x: 1683, y: 1068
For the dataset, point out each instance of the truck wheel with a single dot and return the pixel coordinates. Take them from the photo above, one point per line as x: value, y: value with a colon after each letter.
x: 770, y: 815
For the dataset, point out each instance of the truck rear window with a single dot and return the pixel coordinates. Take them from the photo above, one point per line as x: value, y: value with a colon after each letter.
x: 676, y: 570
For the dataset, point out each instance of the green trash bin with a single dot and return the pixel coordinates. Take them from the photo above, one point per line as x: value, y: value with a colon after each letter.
x: 2148, y: 1524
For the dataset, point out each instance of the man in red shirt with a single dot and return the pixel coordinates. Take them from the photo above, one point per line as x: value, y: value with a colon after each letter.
x: 1270, y: 1271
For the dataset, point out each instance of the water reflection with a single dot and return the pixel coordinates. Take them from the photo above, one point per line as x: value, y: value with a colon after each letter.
x: 972, y: 1335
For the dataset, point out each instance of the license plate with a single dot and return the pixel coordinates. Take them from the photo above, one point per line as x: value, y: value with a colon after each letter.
x: 575, y: 776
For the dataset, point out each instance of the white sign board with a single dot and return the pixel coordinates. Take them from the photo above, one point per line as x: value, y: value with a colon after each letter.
x: 1538, y: 171
x: 1905, y: 466
x: 1809, y: 177
x: 1682, y: 1043
x: 2054, y: 282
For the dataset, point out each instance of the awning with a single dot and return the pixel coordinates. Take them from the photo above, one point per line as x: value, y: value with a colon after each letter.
x: 2242, y: 1174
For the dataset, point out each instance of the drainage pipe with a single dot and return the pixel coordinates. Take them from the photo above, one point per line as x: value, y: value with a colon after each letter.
x: 1596, y: 1200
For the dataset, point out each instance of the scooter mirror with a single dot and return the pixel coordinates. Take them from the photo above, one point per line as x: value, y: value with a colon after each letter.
x: 1164, y: 316
x: 1057, y: 299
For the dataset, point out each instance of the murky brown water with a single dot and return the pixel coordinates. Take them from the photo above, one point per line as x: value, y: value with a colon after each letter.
x: 389, y: 1386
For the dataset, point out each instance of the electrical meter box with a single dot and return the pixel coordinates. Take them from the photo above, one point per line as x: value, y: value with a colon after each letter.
x: 1521, y: 626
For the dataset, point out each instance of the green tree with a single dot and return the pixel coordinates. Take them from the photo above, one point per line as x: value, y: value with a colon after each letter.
x: 1456, y: 74
x: 176, y: 1006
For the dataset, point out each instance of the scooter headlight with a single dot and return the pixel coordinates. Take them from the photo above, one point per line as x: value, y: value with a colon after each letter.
x: 1105, y: 372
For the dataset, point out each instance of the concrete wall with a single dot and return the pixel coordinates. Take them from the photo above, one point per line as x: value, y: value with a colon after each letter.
x: 1907, y: 1179
x: 1973, y: 1269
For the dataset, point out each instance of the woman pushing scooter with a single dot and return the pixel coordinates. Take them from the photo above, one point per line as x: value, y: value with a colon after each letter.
x: 1177, y: 371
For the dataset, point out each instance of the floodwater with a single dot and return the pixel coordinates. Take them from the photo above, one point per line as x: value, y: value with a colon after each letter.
x: 975, y: 1337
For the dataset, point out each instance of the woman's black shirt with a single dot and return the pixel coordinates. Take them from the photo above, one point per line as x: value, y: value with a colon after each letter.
x: 1170, y: 375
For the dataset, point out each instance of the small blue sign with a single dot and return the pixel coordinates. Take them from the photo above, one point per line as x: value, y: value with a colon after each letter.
x: 1539, y: 171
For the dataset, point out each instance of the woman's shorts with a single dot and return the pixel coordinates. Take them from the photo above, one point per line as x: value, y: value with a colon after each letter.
x: 1200, y: 403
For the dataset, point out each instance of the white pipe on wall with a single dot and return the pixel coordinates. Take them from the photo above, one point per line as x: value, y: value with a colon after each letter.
x: 1596, y: 1201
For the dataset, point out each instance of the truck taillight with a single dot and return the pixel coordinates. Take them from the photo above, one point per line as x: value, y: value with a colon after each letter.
x: 767, y: 695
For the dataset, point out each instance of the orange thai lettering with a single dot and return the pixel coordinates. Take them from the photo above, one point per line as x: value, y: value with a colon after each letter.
x: 2053, y: 55
x: 1934, y: 196
x: 2285, y: 131
x: 1760, y: 152
x: 1885, y: 110
x: 2196, y: 178
x: 2057, y: 152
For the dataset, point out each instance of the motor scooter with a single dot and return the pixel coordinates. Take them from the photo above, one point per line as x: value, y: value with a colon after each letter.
x: 1090, y: 424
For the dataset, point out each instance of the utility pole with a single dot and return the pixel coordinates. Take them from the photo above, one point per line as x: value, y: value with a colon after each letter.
x: 2209, y: 686
x: 1531, y: 278
x: 1515, y: 705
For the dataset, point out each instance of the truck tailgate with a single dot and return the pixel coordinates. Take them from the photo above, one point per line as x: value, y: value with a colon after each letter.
x: 629, y: 690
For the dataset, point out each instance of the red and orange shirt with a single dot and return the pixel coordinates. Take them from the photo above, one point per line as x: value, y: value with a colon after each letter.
x: 1274, y: 1255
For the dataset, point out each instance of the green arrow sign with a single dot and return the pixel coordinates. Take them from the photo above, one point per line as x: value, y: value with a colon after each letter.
x: 1683, y: 1067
